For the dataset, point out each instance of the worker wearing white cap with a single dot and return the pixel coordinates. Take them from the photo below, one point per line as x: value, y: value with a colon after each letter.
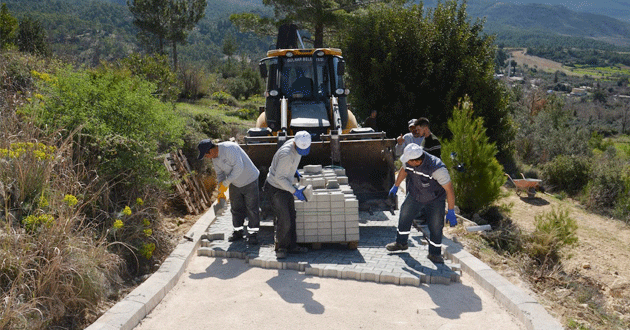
x: 280, y: 190
x: 412, y: 137
x: 428, y: 188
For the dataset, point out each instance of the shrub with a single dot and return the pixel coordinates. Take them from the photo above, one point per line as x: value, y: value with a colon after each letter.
x: 156, y: 69
x: 211, y: 126
x: 193, y: 81
x: 554, y: 230
x: 244, y: 113
x: 480, y: 184
x: 607, y: 182
x: 121, y: 125
x: 568, y: 173
x: 224, y: 98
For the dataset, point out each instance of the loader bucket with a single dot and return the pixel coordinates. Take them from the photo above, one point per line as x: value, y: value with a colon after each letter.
x: 369, y: 164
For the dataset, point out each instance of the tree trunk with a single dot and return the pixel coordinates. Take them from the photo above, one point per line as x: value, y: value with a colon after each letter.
x: 319, y: 36
x: 175, y: 56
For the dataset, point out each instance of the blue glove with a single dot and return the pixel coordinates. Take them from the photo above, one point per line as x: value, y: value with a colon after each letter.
x: 299, y: 193
x: 452, y: 219
x: 393, y: 191
x: 298, y: 175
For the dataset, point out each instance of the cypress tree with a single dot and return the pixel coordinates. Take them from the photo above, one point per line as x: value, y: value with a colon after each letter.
x: 480, y: 183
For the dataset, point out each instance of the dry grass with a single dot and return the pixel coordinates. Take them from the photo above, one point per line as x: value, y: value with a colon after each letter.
x: 579, y: 300
x: 54, y: 268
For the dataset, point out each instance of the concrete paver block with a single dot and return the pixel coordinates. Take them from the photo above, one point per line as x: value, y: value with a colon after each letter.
x: 408, y: 279
x: 370, y: 275
x: 312, y: 169
x: 537, y: 318
x: 388, y: 277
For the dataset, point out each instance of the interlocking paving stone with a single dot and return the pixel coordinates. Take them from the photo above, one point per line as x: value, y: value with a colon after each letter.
x: 369, y: 262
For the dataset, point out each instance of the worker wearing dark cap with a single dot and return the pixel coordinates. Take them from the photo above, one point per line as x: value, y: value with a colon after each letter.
x: 234, y: 169
x: 412, y: 137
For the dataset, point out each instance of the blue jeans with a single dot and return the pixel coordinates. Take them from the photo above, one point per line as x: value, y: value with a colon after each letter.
x: 245, y: 202
x: 434, y: 214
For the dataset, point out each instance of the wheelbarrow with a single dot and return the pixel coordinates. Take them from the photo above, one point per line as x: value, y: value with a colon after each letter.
x: 524, y: 185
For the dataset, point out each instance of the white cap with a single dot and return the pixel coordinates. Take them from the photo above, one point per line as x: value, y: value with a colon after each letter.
x: 412, y: 122
x: 302, y: 142
x: 412, y: 151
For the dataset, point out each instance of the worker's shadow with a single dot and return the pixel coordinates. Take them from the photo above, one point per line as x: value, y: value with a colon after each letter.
x: 536, y: 201
x: 223, y: 269
x: 450, y: 306
x: 291, y: 287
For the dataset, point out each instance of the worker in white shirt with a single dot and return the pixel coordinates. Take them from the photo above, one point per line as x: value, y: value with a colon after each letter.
x: 279, y: 186
x: 235, y: 169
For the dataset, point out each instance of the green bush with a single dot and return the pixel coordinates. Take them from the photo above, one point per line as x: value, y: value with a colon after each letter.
x: 211, y: 126
x: 224, y: 98
x: 194, y: 83
x: 607, y: 182
x: 480, y: 184
x: 121, y: 126
x: 554, y: 230
x: 244, y: 113
x: 156, y: 69
x: 567, y: 173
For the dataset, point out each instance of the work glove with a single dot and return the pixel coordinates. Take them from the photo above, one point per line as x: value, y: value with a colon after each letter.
x: 298, y: 175
x: 452, y: 219
x: 393, y: 191
x: 299, y: 193
x: 222, y: 189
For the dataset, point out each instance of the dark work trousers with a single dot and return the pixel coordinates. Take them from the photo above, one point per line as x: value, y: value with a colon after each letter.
x: 434, y: 214
x: 245, y: 202
x: 284, y: 208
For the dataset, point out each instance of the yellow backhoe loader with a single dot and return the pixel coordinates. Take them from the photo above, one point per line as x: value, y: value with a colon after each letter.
x: 305, y: 90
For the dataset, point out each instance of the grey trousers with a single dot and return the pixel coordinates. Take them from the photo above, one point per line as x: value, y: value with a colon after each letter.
x: 245, y: 202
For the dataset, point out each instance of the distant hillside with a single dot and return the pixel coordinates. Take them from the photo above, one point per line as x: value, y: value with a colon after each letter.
x: 613, y: 8
x: 93, y: 30
x: 552, y: 21
x: 89, y: 31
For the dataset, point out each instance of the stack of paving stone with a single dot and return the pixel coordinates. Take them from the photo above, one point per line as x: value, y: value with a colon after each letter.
x: 331, y: 211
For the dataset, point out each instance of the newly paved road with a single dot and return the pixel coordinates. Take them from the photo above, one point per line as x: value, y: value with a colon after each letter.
x: 223, y: 285
x: 227, y: 293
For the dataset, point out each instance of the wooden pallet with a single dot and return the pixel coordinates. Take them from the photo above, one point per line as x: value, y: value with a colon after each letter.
x: 189, y: 189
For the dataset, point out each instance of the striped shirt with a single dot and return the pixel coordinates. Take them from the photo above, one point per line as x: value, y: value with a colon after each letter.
x: 283, y: 166
x: 233, y: 166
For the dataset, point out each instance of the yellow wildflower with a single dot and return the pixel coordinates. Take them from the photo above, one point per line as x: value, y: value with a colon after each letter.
x: 146, y: 222
x: 148, y: 232
x: 70, y: 200
x: 139, y: 201
x: 43, y: 202
x: 127, y: 211
x: 118, y: 224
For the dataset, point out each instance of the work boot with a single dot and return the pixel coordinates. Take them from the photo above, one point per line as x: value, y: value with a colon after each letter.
x: 396, y: 247
x: 281, y: 253
x: 252, y: 239
x: 436, y: 258
x: 237, y: 235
